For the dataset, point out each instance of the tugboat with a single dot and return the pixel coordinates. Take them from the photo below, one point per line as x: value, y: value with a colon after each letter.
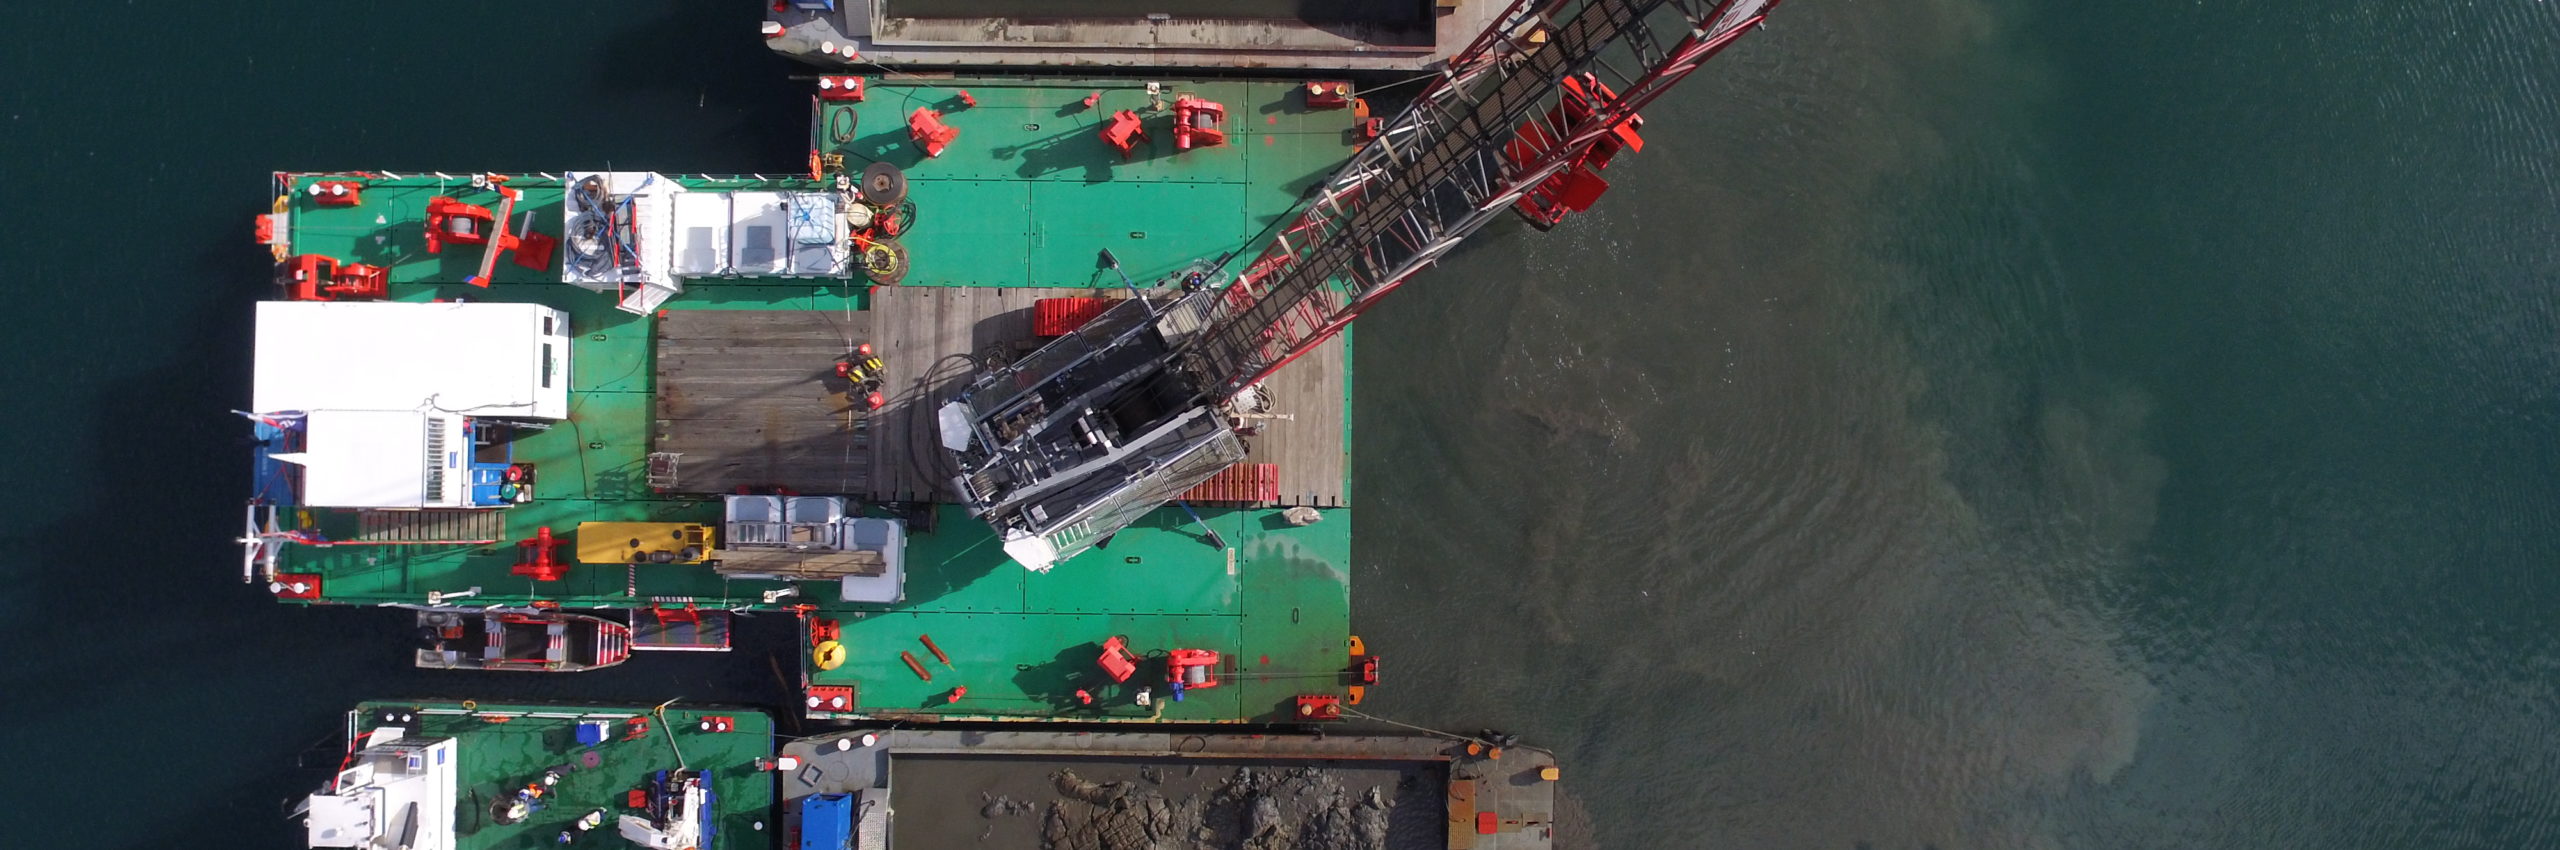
x: 538, y: 642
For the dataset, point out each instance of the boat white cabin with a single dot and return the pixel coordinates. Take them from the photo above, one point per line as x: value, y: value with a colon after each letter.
x: 506, y: 361
x: 396, y: 792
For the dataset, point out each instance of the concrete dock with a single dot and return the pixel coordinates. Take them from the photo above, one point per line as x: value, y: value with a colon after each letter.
x: 859, y: 34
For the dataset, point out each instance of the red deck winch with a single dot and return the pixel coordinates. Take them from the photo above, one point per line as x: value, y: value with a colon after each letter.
x: 1198, y: 123
x: 1191, y: 669
x: 538, y: 557
x: 450, y: 221
x: 313, y: 277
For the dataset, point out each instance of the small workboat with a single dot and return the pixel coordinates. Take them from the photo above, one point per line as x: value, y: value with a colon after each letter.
x: 535, y: 641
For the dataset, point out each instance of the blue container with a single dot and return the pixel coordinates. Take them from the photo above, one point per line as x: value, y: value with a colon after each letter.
x: 826, y: 822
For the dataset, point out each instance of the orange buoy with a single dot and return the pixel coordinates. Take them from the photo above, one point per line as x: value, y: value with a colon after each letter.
x: 957, y: 691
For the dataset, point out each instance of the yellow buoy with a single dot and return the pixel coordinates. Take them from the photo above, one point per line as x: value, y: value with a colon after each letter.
x: 1550, y: 774
x: 829, y: 655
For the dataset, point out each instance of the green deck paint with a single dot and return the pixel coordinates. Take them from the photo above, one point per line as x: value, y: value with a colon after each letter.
x: 502, y: 747
x: 1025, y: 197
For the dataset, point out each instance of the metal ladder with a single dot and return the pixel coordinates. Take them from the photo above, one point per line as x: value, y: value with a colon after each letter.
x: 430, y: 526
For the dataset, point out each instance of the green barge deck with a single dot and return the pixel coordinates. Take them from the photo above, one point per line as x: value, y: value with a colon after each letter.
x: 725, y: 388
x: 470, y: 776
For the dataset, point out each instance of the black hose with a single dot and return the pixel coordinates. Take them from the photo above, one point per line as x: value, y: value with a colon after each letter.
x: 590, y: 242
x: 844, y: 133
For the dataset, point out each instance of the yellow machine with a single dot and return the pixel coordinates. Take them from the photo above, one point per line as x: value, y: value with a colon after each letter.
x: 643, y: 543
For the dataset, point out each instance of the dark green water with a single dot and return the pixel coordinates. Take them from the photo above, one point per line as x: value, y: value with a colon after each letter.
x: 1970, y: 424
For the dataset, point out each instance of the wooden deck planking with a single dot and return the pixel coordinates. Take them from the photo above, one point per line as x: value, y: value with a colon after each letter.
x: 1308, y: 448
x: 750, y: 399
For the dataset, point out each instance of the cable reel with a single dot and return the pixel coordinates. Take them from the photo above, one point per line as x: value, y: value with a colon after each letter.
x: 884, y: 262
x: 883, y: 185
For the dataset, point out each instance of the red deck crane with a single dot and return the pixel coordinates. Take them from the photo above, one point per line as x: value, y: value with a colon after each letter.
x: 1518, y: 119
x: 1522, y: 119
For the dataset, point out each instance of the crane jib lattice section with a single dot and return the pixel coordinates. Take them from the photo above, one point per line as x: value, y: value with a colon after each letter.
x: 1494, y: 127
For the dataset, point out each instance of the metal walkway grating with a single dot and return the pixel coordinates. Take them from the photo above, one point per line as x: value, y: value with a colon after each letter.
x: 431, y: 526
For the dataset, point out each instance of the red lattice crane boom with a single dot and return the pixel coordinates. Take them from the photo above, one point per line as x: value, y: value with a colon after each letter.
x: 1549, y: 87
x: 1068, y: 445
